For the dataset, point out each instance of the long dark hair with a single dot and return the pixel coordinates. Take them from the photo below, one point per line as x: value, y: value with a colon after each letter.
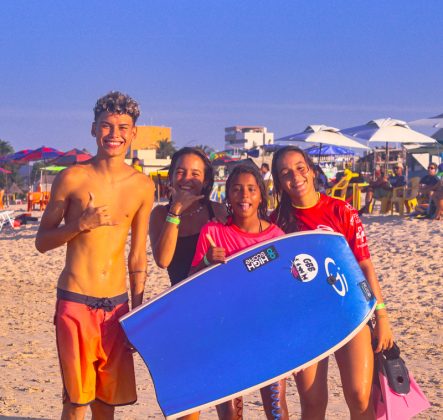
x: 285, y: 220
x: 252, y: 170
x: 209, y: 170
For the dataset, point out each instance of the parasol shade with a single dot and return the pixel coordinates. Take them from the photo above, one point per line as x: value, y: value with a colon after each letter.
x: 72, y: 157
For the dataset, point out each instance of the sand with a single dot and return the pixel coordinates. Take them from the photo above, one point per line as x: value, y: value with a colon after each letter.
x: 407, y: 253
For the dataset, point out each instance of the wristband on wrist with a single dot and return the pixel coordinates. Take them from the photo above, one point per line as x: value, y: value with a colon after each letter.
x: 174, y: 214
x: 380, y: 306
x: 172, y: 219
x: 206, y: 261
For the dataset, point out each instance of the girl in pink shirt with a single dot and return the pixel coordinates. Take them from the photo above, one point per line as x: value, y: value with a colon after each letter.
x: 247, y: 225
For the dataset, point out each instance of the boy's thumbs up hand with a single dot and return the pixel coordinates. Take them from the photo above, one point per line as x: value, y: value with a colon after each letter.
x: 94, y: 217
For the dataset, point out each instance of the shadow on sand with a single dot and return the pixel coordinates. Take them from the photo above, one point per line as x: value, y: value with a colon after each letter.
x: 22, y: 418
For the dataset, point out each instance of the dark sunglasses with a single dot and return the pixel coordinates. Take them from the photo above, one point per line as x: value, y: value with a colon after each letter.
x: 432, y: 167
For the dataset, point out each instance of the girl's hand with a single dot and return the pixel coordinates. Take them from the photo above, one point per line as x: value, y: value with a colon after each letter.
x: 216, y: 255
x: 383, y: 333
x: 182, y: 200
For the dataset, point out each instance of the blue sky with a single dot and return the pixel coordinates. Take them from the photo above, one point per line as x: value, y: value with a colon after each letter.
x: 199, y: 66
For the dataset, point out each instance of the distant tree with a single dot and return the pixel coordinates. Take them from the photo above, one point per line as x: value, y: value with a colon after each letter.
x: 205, y: 148
x: 5, y: 148
x: 165, y: 148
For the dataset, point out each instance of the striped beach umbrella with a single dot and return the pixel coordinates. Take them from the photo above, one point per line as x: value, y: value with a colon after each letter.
x: 72, y: 157
x: 42, y: 153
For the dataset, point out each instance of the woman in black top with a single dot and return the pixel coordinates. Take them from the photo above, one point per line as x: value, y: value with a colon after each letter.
x: 174, y: 228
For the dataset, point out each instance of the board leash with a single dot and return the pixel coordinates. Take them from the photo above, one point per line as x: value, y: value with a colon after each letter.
x: 276, y: 409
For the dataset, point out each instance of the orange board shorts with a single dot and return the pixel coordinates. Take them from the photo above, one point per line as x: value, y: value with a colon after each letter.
x: 95, y: 358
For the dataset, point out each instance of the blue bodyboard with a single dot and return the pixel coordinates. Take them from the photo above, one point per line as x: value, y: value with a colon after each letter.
x: 271, y: 310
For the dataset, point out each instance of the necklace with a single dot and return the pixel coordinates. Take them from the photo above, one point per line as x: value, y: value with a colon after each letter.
x: 196, y: 211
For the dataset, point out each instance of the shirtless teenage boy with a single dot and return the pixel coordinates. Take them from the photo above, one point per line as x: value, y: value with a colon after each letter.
x: 99, y: 202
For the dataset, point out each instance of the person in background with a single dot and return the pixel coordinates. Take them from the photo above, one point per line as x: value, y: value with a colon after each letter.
x: 398, y: 179
x: 269, y: 184
x: 428, y: 183
x: 377, y: 189
x: 136, y: 164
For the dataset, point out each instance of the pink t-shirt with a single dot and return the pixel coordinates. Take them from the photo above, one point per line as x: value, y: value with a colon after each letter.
x: 231, y: 238
x: 336, y: 215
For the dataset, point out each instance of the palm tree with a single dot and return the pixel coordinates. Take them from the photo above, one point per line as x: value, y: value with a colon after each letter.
x: 5, y: 148
x: 165, y: 148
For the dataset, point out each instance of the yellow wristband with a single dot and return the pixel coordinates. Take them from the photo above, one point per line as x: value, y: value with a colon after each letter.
x: 380, y: 306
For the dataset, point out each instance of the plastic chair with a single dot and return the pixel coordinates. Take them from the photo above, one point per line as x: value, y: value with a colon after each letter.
x: 340, y: 188
x: 33, y: 199
x: 6, y: 217
x: 405, y: 197
x: 384, y: 204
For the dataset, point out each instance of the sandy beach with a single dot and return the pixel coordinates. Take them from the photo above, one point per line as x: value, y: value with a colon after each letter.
x: 407, y: 254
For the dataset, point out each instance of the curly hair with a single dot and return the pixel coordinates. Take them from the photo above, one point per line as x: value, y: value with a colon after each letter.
x: 284, y: 219
x: 117, y: 103
x: 209, y: 170
x: 252, y: 170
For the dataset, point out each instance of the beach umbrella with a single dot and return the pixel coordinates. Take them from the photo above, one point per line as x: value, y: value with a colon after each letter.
x: 53, y: 168
x: 16, y: 156
x: 435, y: 122
x: 329, y: 150
x: 72, y: 157
x: 42, y: 153
x: 221, y: 158
x: 322, y: 134
x: 387, y: 130
x: 5, y: 171
x: 438, y: 135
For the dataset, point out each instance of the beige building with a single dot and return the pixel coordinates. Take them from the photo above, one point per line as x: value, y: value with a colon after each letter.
x: 247, y: 137
x: 148, y: 160
x: 144, y: 147
x: 148, y: 137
